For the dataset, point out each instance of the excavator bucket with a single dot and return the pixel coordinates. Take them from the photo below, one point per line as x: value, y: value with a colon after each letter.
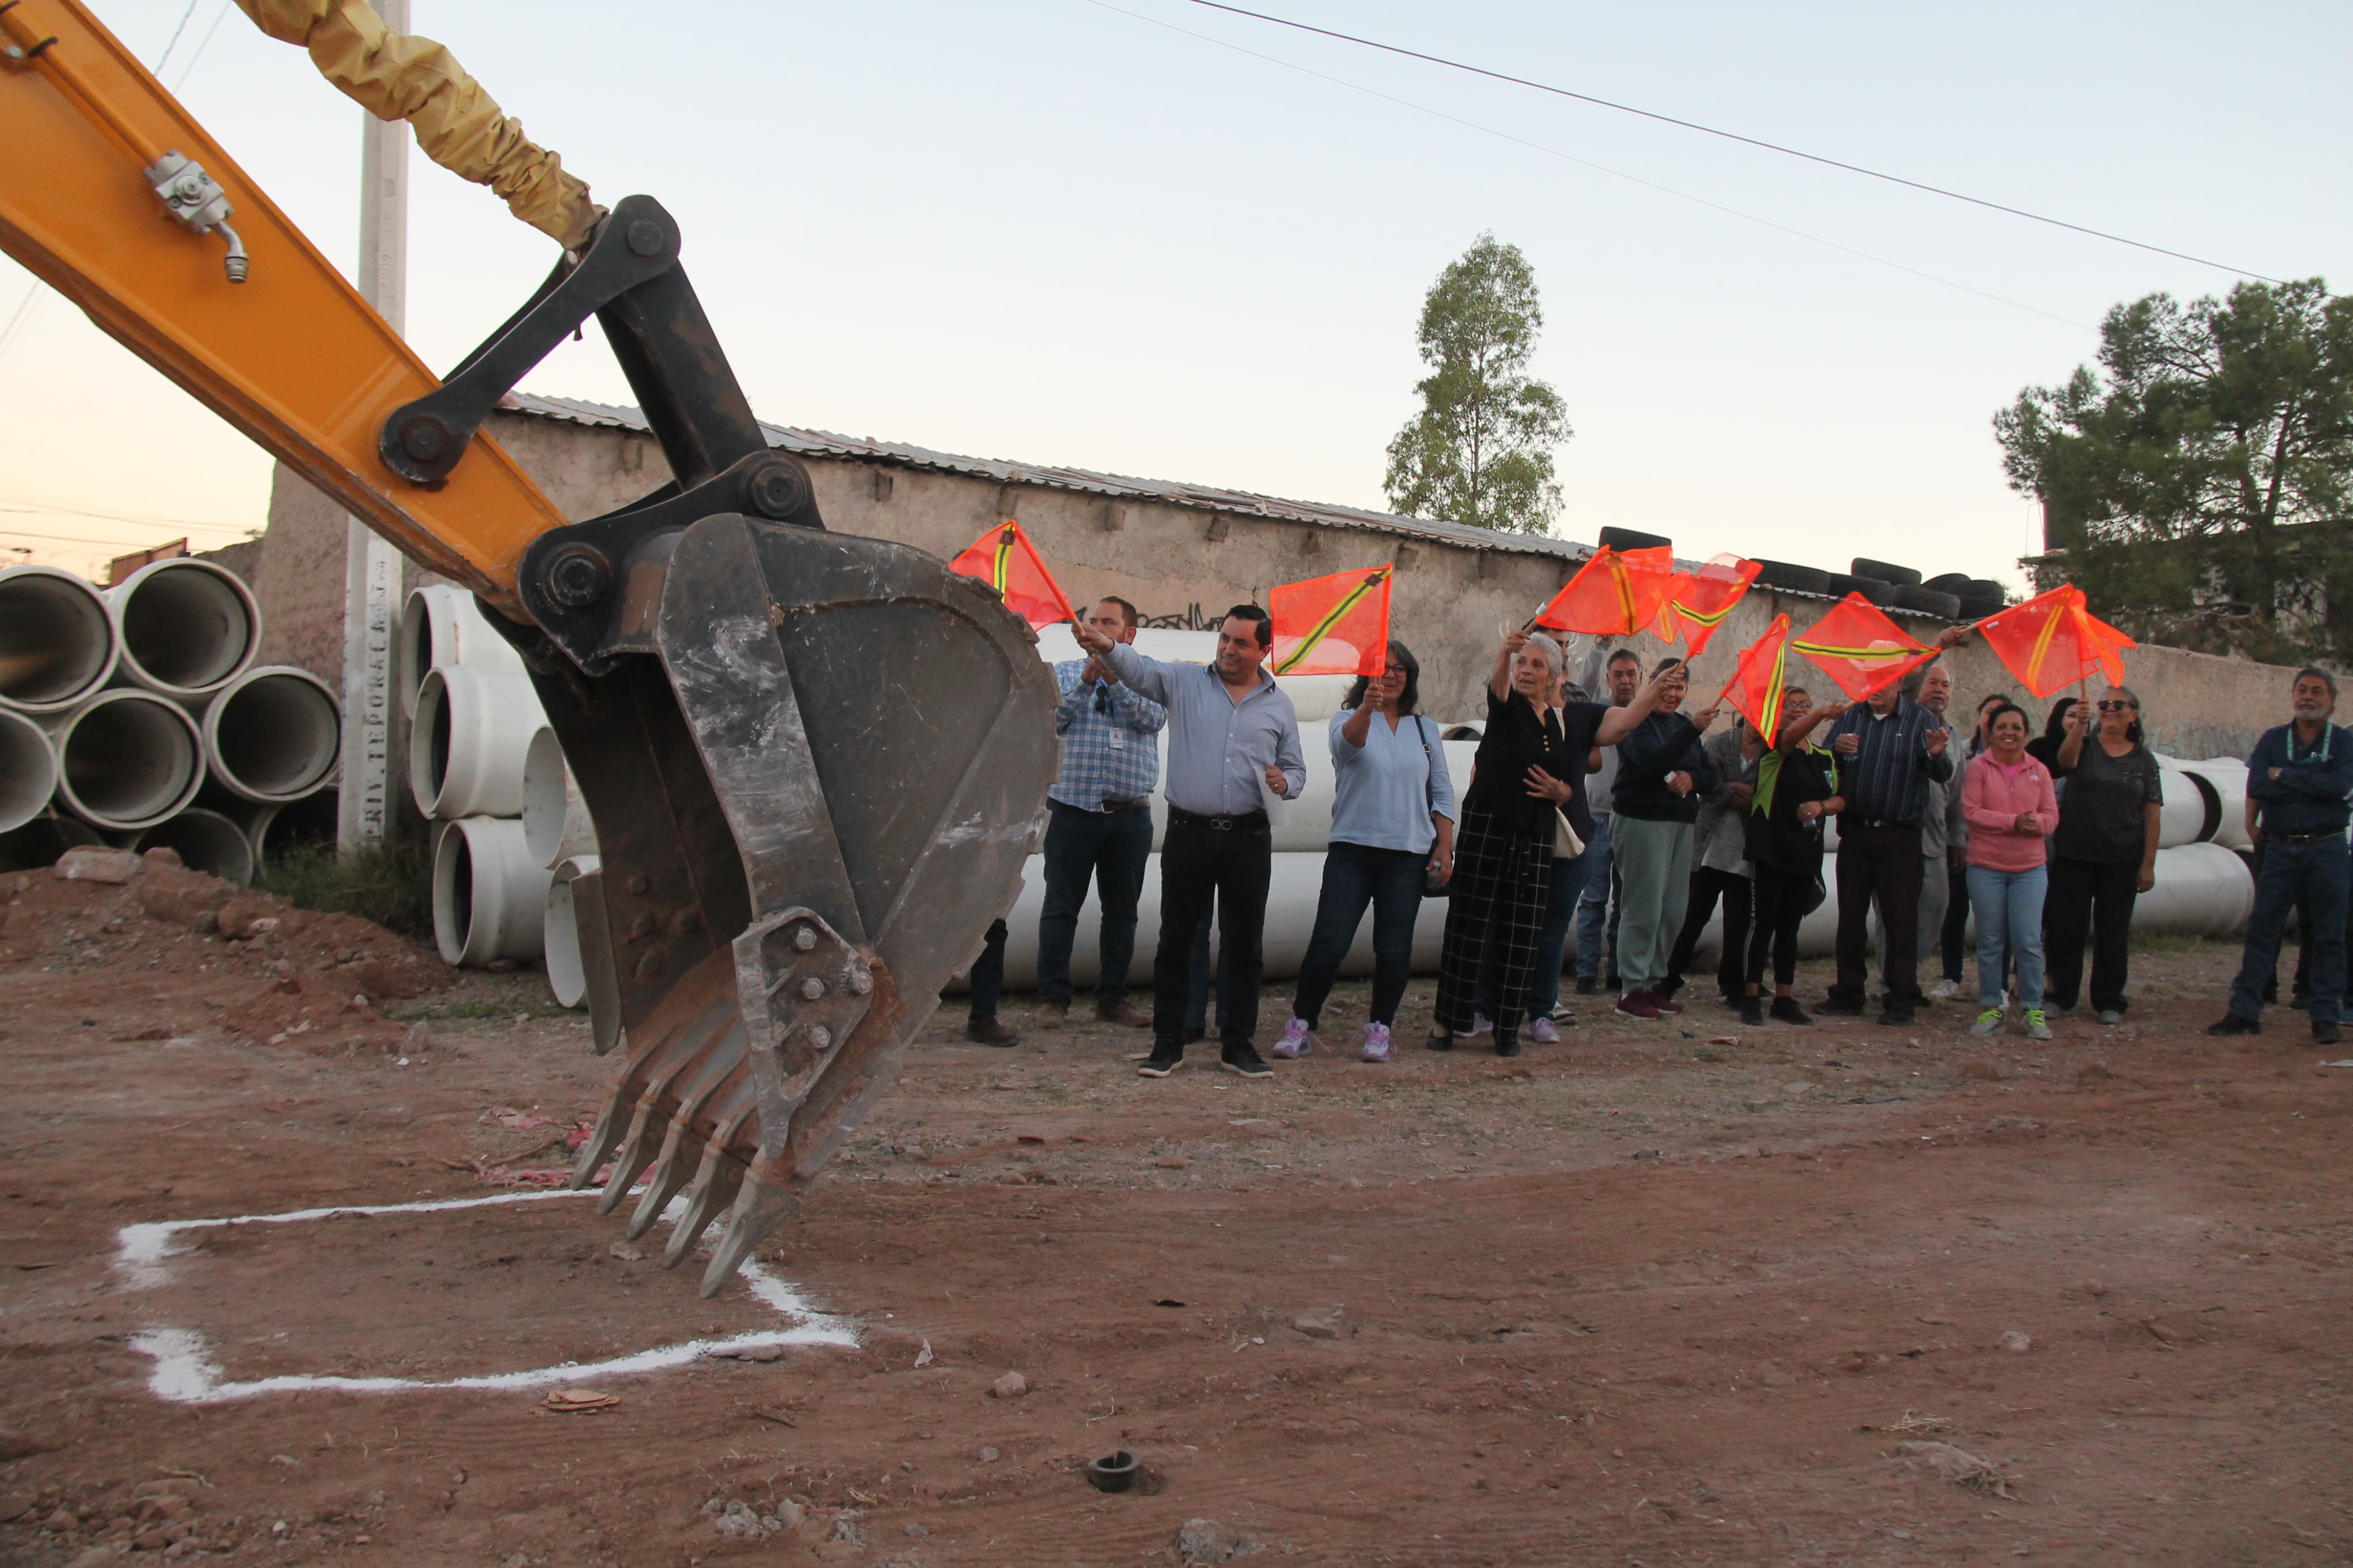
x: 813, y: 789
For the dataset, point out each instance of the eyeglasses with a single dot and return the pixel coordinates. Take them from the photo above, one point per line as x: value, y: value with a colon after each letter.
x: 2108, y: 707
x: 1102, y: 698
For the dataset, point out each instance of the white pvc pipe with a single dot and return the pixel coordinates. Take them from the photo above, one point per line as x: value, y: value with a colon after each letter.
x: 489, y: 901
x: 205, y: 841
x: 188, y: 627
x: 2181, y: 819
x: 56, y: 639
x: 566, y: 979
x: 2229, y: 777
x: 273, y: 734
x: 466, y: 748
x: 2202, y: 889
x: 441, y: 625
x: 279, y: 829
x: 127, y: 760
x: 28, y: 769
x: 554, y: 818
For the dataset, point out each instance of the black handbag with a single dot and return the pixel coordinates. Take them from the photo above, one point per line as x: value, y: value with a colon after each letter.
x: 1431, y: 888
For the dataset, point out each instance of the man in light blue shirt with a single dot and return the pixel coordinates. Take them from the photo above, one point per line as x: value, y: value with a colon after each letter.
x: 1233, y: 747
x: 1099, y: 830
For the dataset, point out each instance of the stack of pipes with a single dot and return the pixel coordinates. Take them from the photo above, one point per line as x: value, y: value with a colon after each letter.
x: 477, y: 742
x: 135, y: 716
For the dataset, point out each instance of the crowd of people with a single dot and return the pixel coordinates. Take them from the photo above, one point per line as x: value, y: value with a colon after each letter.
x: 1623, y: 825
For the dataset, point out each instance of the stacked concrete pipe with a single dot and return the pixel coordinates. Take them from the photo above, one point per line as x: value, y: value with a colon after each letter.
x: 474, y: 722
x: 134, y: 716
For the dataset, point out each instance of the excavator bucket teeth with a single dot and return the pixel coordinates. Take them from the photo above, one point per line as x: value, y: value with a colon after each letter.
x: 816, y: 763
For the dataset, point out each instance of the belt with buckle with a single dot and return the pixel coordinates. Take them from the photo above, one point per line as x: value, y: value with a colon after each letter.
x: 2321, y: 838
x: 1219, y: 824
x: 1143, y: 803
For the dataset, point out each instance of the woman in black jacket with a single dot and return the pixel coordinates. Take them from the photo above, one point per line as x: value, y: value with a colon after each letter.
x: 1796, y: 788
x: 1527, y: 782
x: 2103, y: 856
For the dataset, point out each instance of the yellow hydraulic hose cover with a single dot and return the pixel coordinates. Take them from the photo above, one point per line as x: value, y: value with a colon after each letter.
x: 397, y: 76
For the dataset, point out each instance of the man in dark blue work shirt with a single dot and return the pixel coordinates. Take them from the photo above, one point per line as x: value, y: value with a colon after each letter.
x: 1889, y: 748
x: 2298, y: 776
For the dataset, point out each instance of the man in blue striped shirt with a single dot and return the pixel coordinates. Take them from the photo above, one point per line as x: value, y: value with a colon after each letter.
x: 1100, y: 826
x: 1889, y: 749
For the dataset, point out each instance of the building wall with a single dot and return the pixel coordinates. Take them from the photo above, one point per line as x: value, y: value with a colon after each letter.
x: 1183, y: 565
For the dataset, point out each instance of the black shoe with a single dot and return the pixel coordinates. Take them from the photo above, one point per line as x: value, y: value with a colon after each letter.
x: 1666, y: 988
x: 1786, y: 1009
x: 990, y: 1031
x: 1896, y: 1018
x: 1616, y: 981
x: 1512, y: 1047
x: 1587, y: 985
x: 1841, y: 1008
x: 1243, y: 1060
x: 1195, y: 1034
x: 2231, y: 1024
x: 2324, y: 1033
x: 1751, y: 1013
x: 1434, y: 1041
x: 2299, y: 1000
x: 1163, y: 1061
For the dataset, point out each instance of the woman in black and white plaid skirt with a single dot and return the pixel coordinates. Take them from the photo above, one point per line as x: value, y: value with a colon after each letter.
x: 1528, y: 778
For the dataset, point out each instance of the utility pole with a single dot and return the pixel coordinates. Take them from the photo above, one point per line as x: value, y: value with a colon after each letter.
x: 371, y: 566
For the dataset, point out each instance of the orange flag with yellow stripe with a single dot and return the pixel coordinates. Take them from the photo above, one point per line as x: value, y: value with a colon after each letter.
x: 1861, y: 649
x: 1337, y: 625
x: 1005, y: 559
x: 1761, y: 680
x: 1697, y: 602
x: 2051, y: 641
x: 1616, y: 593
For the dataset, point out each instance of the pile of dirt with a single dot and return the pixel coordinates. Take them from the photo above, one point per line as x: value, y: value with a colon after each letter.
x: 105, y: 925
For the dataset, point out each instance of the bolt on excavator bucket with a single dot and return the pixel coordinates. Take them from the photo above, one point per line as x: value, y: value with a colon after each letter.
x: 815, y: 763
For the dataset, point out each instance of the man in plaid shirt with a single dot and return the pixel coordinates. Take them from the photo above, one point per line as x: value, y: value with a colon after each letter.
x: 1101, y: 823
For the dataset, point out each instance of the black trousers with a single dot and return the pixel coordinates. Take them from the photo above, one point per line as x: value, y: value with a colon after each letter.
x: 1198, y: 864
x: 1708, y: 885
x: 2088, y: 899
x: 1956, y: 918
x: 1780, y: 910
x: 1880, y: 864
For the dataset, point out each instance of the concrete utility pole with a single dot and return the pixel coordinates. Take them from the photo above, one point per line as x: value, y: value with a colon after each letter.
x: 371, y: 566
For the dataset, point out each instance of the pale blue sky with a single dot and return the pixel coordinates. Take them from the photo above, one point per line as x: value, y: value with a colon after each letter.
x: 1051, y: 231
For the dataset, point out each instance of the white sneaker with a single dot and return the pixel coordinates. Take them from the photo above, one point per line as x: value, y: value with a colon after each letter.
x: 1944, y: 990
x: 1542, y: 1032
x: 1377, y: 1043
x: 1989, y: 1021
x: 1480, y: 1025
x: 1297, y: 1041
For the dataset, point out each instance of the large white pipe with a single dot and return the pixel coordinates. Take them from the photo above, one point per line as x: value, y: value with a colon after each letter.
x: 205, y: 841
x: 441, y: 625
x: 2228, y: 775
x: 279, y: 830
x: 28, y: 769
x: 489, y: 901
x: 127, y: 760
x: 2188, y: 801
x: 273, y: 734
x: 2202, y: 889
x: 466, y: 750
x: 568, y: 980
x: 37, y: 844
x: 188, y: 627
x: 554, y: 818
x: 58, y: 642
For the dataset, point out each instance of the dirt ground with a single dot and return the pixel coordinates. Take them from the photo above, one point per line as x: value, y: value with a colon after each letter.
x: 1667, y: 1293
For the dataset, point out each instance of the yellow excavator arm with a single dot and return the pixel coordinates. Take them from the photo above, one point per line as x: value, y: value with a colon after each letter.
x: 816, y: 762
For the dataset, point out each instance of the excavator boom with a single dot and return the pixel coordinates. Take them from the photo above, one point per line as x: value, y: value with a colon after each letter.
x: 815, y: 762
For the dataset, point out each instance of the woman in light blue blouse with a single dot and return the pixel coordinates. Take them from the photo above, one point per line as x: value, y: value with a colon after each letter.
x: 1392, y: 823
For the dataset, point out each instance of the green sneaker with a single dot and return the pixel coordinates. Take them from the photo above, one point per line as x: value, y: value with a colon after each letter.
x: 2036, y: 1029
x: 1989, y: 1021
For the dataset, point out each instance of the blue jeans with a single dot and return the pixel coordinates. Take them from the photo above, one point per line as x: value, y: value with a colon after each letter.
x: 1108, y: 848
x: 2319, y: 872
x: 1552, y: 941
x: 1355, y: 874
x: 1597, y: 907
x: 2009, y: 906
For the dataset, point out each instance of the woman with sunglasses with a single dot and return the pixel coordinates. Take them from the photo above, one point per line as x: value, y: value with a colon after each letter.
x: 1392, y: 826
x: 2104, y: 855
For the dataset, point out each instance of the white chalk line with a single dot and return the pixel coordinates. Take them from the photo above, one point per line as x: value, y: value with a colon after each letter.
x: 186, y: 1373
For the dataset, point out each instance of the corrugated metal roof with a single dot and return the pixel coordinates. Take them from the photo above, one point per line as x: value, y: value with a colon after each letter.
x: 825, y: 443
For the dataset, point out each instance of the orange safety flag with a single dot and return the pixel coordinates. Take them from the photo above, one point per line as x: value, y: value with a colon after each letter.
x: 1005, y: 559
x: 1861, y: 649
x: 1759, y: 680
x: 1698, y: 601
x: 1333, y: 626
x: 2051, y: 641
x: 1616, y: 593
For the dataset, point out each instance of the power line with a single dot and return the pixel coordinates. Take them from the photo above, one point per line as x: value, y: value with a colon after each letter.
x: 202, y: 45
x: 167, y: 55
x: 28, y: 506
x: 1599, y: 168
x: 1734, y: 136
x: 95, y: 544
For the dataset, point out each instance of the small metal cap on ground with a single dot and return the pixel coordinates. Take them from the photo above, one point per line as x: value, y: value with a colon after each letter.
x: 1114, y: 1472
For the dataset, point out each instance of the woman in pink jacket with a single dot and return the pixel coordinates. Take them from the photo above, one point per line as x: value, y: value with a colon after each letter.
x: 2009, y: 805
